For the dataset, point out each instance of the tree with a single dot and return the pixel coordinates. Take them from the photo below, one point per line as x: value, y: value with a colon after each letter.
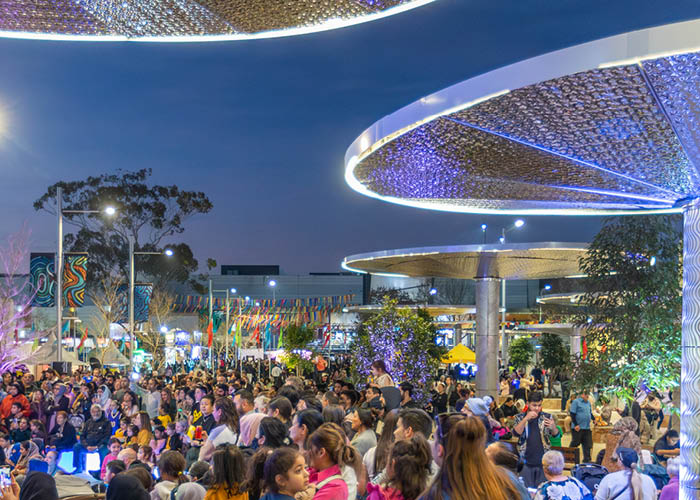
x: 107, y: 300
x: 405, y: 340
x: 632, y: 305
x: 555, y: 356
x: 16, y: 294
x: 296, y: 339
x: 150, y: 337
x: 149, y: 214
x: 520, y: 352
x: 402, y: 297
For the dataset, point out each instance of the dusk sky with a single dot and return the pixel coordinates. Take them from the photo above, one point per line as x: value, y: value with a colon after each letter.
x: 262, y: 126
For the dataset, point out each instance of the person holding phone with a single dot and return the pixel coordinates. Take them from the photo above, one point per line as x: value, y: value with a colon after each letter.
x: 534, y: 430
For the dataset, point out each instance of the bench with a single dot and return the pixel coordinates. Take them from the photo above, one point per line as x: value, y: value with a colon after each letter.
x: 572, y: 456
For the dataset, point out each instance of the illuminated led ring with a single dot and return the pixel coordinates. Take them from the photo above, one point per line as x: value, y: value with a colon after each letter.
x: 488, y: 144
x: 186, y: 20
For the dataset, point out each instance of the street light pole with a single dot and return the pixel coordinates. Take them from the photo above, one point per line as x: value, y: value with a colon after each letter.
x: 132, y: 279
x: 59, y: 274
x: 504, y: 336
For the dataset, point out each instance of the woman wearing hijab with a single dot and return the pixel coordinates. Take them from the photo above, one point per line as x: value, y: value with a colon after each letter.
x: 126, y: 487
x: 103, y: 397
x: 190, y: 491
x: 622, y: 435
x: 28, y: 451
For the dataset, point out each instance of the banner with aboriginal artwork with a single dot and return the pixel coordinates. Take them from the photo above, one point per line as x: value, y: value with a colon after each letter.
x: 74, y: 278
x: 142, y: 302
x: 42, y: 274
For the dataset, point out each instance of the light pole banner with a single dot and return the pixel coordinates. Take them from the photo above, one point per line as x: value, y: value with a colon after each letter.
x: 142, y: 302
x: 74, y: 278
x: 43, y: 279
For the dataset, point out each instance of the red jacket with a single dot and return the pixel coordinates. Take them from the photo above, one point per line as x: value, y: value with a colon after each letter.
x: 6, y: 405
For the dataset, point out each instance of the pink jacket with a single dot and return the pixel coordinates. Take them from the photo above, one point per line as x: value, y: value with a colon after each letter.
x: 335, y: 489
x: 670, y: 491
x: 376, y: 492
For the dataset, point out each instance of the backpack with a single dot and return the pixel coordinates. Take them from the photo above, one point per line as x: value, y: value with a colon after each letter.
x: 657, y: 473
x: 589, y: 474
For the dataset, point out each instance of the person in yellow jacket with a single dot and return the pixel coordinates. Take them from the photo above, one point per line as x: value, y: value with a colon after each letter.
x: 229, y: 474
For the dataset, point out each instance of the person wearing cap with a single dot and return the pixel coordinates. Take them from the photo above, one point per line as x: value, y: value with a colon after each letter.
x: 627, y: 483
x: 477, y: 407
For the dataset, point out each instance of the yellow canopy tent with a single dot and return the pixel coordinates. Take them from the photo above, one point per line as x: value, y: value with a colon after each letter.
x: 460, y: 354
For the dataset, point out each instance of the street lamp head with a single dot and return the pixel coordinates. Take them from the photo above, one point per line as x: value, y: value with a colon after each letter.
x: 110, y: 210
x: 519, y: 223
x: 502, y: 239
x: 168, y: 252
x: 548, y: 286
x: 247, y: 298
x: 163, y: 329
x: 433, y: 291
x: 483, y: 227
x: 272, y: 283
x: 233, y: 290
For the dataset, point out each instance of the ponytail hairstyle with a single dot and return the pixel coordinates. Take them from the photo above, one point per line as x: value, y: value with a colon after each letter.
x: 173, y: 464
x: 254, y: 483
x: 331, y: 438
x: 229, y: 472
x: 466, y: 471
x: 630, y: 459
x: 410, y: 461
x: 278, y: 463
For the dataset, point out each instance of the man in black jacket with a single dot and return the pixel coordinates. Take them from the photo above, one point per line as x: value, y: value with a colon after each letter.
x: 94, y: 437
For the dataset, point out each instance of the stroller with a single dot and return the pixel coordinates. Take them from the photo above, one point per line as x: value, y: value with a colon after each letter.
x: 589, y: 474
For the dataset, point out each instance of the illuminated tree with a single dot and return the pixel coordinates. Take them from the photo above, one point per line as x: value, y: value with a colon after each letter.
x: 16, y: 294
x: 405, y: 340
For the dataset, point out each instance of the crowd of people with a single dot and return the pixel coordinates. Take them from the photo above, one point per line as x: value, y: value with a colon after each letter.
x: 229, y: 435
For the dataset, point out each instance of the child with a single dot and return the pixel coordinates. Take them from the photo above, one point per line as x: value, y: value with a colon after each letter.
x: 114, y: 448
x: 12, y: 422
x: 407, y: 471
x: 145, y: 455
x: 159, y: 440
x: 171, y: 465
x: 114, y: 415
x: 120, y: 433
x: 228, y: 475
x: 23, y: 432
x: 174, y: 441
x: 163, y: 415
x: 52, y: 460
x: 38, y: 431
x: 284, y: 474
x: 131, y: 434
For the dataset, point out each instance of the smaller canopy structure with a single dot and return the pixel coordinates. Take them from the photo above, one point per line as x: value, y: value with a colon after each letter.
x: 47, y: 354
x: 109, y: 356
x: 460, y: 354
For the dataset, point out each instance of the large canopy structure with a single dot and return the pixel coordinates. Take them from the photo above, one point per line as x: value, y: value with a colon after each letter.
x: 488, y: 265
x: 186, y: 20
x: 607, y: 127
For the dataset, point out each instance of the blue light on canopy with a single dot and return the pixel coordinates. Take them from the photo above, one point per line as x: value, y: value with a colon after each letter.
x: 608, y: 127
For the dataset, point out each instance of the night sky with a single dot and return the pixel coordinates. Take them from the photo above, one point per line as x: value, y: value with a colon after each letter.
x: 262, y: 126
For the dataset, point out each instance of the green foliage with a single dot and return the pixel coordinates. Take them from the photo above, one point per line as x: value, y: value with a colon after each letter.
x: 296, y: 338
x: 520, y: 352
x: 405, y: 340
x: 554, y: 354
x: 632, y: 305
x: 148, y: 214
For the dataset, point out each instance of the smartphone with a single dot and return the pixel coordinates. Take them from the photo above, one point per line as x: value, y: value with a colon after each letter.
x: 5, y: 479
x: 156, y: 473
x: 198, y: 432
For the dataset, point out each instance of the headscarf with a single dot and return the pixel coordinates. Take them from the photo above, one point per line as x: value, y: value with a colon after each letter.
x: 126, y: 487
x: 104, y: 399
x: 62, y: 388
x: 38, y: 486
x: 626, y: 428
x: 626, y: 424
x: 249, y: 427
x: 190, y: 491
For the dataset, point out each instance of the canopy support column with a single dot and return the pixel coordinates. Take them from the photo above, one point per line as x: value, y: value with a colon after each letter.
x: 690, y: 365
x: 487, y: 336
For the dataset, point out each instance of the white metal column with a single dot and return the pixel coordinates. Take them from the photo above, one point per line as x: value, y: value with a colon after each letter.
x: 487, y: 338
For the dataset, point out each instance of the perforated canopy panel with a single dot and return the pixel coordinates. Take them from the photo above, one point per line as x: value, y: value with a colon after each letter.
x: 621, y: 135
x: 508, y: 261
x: 178, y: 20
